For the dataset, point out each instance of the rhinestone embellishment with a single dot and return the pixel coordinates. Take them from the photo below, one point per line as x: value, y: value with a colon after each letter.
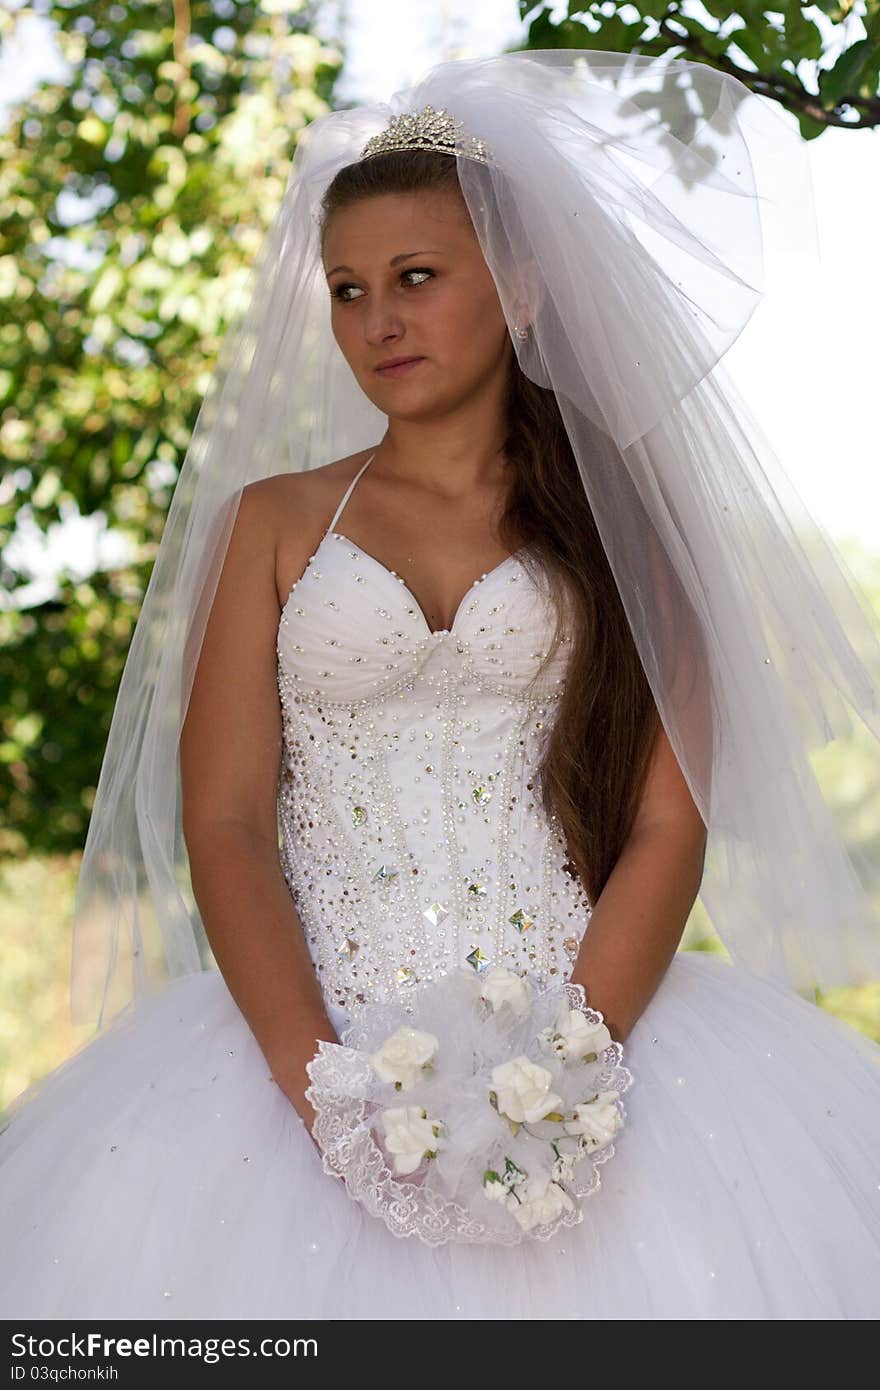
x: 427, y: 130
x: 521, y: 920
x: 478, y: 960
x: 384, y: 875
x: 412, y: 838
x: 435, y: 913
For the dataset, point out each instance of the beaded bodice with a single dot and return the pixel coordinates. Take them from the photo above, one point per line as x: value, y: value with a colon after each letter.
x: 412, y: 835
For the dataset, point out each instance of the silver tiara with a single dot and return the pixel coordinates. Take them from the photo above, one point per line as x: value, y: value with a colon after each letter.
x: 427, y: 130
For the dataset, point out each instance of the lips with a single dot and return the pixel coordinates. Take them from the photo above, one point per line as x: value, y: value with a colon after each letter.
x: 398, y: 366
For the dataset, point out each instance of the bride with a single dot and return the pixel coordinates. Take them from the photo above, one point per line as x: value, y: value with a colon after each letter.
x: 534, y: 662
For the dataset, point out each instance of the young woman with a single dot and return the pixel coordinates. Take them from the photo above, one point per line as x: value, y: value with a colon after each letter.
x: 481, y: 692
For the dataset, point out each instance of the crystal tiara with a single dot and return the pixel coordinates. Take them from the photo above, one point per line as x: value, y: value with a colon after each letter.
x: 427, y: 130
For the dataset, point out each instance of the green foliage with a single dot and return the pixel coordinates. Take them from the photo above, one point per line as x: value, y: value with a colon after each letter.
x: 60, y: 676
x: 133, y: 199
x: 825, y: 74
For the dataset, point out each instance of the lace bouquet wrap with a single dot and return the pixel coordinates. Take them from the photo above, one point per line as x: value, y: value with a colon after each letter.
x: 479, y: 1111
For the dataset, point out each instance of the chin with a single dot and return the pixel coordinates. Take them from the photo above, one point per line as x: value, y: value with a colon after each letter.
x: 404, y: 400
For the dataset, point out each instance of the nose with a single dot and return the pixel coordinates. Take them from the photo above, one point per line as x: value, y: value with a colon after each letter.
x: 382, y: 322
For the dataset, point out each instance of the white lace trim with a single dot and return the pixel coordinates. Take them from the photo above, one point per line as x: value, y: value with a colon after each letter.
x: 348, y: 1098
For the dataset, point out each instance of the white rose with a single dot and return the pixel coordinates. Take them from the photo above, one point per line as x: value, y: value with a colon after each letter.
x: 402, y: 1056
x: 563, y: 1165
x: 598, y: 1120
x: 523, y: 1090
x: 496, y: 1190
x: 409, y: 1135
x: 576, y: 1037
x: 502, y: 986
x: 543, y: 1201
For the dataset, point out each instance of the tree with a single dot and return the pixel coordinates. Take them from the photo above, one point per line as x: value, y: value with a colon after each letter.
x: 821, y: 62
x: 134, y: 197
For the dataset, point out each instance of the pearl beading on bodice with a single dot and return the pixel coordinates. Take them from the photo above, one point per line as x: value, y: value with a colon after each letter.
x: 411, y: 833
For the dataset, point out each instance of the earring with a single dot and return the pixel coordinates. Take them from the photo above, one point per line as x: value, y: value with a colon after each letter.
x: 521, y: 331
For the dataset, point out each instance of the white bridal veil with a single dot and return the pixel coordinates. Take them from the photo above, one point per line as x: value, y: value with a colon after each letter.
x: 642, y: 189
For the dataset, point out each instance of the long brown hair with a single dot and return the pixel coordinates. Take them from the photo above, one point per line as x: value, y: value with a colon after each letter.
x: 596, y: 756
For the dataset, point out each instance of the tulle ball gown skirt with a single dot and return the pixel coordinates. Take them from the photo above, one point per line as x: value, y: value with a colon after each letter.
x: 161, y: 1173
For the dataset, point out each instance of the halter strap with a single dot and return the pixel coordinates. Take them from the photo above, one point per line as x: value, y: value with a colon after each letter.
x: 348, y: 492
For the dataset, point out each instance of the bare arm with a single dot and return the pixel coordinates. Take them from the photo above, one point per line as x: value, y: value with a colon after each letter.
x: 230, y: 762
x: 638, y: 920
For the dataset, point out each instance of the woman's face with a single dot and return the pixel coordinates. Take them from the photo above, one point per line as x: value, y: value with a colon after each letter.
x: 437, y: 301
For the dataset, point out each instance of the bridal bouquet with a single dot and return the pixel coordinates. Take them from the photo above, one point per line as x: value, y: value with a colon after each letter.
x: 478, y: 1111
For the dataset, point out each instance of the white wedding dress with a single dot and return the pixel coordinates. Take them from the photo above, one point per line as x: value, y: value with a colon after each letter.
x: 161, y: 1173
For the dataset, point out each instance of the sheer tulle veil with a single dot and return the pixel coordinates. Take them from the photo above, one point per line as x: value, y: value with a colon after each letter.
x: 640, y: 193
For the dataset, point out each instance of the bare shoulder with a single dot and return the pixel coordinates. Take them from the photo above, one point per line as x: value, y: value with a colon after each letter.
x: 291, y: 511
x: 310, y: 488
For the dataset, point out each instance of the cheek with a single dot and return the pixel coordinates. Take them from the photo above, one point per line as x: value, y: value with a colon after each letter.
x: 472, y: 324
x: 481, y: 331
x: 349, y: 338
x: 339, y: 326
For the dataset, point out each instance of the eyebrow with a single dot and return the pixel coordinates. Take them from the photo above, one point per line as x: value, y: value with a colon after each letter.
x: 395, y: 260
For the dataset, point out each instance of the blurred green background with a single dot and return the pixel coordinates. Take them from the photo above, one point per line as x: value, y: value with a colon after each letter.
x: 135, y: 189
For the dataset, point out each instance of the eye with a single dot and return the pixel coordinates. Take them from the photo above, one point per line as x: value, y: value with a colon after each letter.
x: 418, y: 270
x: 338, y: 292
